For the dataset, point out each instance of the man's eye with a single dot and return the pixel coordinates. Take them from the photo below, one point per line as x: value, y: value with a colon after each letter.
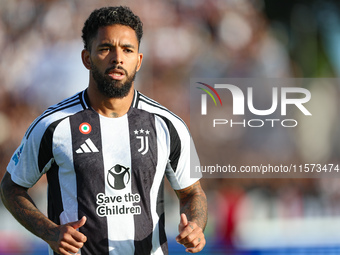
x: 104, y: 49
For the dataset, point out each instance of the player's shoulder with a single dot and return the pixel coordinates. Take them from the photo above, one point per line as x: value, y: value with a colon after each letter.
x: 145, y: 103
x: 56, y: 112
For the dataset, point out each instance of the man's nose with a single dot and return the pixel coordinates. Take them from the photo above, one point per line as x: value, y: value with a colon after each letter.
x: 116, y: 57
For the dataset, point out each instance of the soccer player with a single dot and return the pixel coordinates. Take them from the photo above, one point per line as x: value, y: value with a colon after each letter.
x: 105, y: 152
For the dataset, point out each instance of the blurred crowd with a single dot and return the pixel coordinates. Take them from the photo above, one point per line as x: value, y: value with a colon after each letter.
x: 40, y: 64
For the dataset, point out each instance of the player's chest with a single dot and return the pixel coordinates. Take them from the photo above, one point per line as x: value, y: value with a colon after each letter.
x: 85, y: 139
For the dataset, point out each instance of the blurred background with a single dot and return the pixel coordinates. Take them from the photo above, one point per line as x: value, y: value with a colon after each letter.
x: 40, y: 64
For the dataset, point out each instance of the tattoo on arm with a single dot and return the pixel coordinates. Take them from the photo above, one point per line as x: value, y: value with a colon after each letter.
x: 22, y: 207
x: 193, y: 203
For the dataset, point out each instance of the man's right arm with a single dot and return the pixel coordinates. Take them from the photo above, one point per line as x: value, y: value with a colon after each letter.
x: 61, y: 238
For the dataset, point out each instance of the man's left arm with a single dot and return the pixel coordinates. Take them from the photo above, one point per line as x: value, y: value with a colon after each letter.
x: 193, y: 207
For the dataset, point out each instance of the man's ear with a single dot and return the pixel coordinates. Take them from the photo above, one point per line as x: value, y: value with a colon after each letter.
x: 85, y: 57
x: 139, y: 61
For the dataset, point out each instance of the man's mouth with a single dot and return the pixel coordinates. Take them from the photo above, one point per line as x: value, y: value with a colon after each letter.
x: 116, y: 73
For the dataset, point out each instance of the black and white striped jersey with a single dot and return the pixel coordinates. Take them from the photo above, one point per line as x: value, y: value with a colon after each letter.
x: 109, y: 169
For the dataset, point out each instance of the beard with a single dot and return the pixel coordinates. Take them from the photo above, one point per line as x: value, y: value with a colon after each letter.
x: 112, y: 88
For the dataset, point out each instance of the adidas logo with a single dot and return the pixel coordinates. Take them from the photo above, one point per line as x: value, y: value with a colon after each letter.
x: 87, y: 147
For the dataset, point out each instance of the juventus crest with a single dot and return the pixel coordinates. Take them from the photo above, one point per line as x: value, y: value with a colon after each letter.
x: 143, y: 136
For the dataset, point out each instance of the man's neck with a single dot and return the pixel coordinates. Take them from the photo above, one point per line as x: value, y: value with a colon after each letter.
x: 109, y: 107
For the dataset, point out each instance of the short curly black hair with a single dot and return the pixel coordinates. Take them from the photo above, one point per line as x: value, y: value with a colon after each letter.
x: 107, y: 16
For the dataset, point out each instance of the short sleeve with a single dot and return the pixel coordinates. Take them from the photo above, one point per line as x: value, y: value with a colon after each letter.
x: 24, y: 165
x: 183, y: 157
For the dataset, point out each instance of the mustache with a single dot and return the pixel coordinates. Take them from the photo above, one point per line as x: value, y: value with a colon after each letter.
x: 107, y: 71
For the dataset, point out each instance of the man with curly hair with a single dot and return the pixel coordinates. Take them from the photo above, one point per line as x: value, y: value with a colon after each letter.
x: 105, y: 152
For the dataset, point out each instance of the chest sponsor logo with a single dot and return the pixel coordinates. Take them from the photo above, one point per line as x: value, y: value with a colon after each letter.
x: 143, y: 136
x: 118, y: 177
x: 118, y: 205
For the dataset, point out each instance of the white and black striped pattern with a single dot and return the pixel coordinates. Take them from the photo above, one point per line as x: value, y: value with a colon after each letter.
x: 119, y: 186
